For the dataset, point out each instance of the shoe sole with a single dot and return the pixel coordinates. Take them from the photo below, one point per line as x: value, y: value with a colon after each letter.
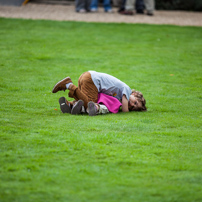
x: 56, y: 85
x: 63, y: 105
x: 76, y: 109
x: 92, y: 109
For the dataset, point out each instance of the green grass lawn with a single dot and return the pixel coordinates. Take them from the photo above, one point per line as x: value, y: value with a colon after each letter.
x: 126, y: 157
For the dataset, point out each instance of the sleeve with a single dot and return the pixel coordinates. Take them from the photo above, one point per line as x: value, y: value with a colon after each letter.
x: 126, y: 91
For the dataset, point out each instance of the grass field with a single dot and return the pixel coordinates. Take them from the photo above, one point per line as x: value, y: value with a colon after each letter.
x: 126, y: 157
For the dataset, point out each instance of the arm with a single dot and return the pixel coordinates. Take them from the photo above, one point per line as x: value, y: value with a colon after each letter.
x: 124, y: 104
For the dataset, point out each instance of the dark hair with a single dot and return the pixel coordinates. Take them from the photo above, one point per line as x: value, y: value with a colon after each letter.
x: 141, y: 99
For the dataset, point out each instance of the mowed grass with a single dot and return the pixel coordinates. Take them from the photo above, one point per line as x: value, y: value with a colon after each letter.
x: 138, y: 156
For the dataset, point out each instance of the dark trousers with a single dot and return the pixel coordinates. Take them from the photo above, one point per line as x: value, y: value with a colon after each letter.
x: 139, y: 6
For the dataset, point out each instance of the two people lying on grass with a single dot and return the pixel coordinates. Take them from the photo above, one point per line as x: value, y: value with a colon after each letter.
x: 99, y: 93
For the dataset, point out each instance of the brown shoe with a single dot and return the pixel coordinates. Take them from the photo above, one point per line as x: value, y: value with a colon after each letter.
x: 126, y: 12
x: 64, y: 105
x: 150, y: 13
x: 61, y: 85
x: 77, y: 107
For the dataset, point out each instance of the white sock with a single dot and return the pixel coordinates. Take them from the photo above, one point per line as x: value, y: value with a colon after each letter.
x: 67, y: 85
x: 83, y: 109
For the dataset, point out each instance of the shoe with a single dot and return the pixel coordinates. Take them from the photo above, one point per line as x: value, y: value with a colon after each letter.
x: 150, y: 13
x: 77, y: 107
x: 109, y: 11
x: 93, y: 10
x: 65, y: 108
x: 92, y: 109
x: 82, y: 11
x: 140, y: 11
x: 61, y: 85
x: 126, y: 12
x: 121, y: 10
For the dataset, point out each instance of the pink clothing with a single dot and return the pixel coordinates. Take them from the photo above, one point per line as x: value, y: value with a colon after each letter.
x: 110, y: 102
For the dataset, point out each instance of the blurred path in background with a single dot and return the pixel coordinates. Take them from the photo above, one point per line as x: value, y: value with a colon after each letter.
x: 67, y: 13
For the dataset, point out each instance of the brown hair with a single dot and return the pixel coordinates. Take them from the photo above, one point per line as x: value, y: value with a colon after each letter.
x: 141, y: 99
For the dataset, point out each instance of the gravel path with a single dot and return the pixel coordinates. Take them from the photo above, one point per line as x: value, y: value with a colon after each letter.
x: 67, y: 13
